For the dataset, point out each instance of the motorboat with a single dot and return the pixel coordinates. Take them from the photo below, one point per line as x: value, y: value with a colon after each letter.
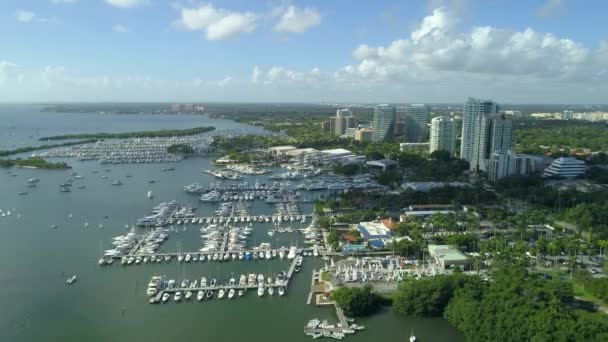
x: 71, y: 280
x: 220, y: 294
x: 178, y: 296
x: 188, y: 294
x: 200, y: 295
x: 270, y: 290
x: 165, y: 297
x: 209, y: 294
x: 213, y: 282
x: 231, y: 293
x: 261, y: 291
x: 241, y: 293
x: 281, y: 291
x: 260, y: 279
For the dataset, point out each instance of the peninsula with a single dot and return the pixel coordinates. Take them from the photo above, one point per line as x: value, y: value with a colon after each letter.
x: 141, y: 134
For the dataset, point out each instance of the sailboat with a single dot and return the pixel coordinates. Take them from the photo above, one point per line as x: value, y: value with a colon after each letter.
x: 412, y: 337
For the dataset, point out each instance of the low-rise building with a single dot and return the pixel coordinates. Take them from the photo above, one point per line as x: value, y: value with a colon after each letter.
x: 448, y: 256
x: 414, y: 147
x: 565, y: 167
x: 375, y: 233
x: 383, y: 164
x: 426, y: 210
x: 281, y: 150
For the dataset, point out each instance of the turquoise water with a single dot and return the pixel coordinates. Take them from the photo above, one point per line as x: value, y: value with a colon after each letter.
x: 109, y: 303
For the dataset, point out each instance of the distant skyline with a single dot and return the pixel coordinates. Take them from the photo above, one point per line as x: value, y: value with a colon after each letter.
x: 434, y: 51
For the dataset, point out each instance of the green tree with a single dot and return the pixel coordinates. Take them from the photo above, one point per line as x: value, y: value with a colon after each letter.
x: 356, y: 301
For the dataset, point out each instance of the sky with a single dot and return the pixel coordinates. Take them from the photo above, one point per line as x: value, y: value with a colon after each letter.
x: 434, y: 51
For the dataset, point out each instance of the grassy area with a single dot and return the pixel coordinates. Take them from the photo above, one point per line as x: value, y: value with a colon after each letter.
x: 34, y: 162
x: 325, y: 276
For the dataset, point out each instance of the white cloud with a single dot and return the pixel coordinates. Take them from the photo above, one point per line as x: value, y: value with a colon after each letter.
x: 63, y: 1
x: 225, y: 81
x: 127, y: 3
x: 50, y: 75
x: 435, y: 49
x: 217, y: 23
x: 24, y: 16
x: 118, y: 28
x: 7, y: 69
x: 297, y: 20
x: 256, y: 74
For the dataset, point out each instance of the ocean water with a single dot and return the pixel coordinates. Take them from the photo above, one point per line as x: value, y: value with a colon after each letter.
x: 109, y: 303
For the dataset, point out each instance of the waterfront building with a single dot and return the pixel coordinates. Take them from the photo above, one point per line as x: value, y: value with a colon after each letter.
x: 443, y: 135
x: 375, y: 233
x: 567, y: 115
x: 383, y: 123
x: 415, y: 118
x: 565, y: 167
x: 448, y: 256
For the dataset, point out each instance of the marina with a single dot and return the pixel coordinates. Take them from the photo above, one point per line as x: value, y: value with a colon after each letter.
x: 72, y: 229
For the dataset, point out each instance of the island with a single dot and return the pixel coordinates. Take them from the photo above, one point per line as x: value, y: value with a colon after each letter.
x: 33, y: 162
x: 5, y: 153
x: 141, y: 134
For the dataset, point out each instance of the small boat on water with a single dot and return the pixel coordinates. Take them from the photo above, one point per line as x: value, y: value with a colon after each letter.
x: 281, y: 291
x: 220, y: 294
x: 270, y: 290
x: 209, y: 294
x: 241, y: 293
x: 200, y: 295
x: 178, y: 296
x: 231, y: 293
x: 412, y: 337
x: 165, y: 297
x: 261, y: 291
x: 188, y: 294
x: 71, y: 280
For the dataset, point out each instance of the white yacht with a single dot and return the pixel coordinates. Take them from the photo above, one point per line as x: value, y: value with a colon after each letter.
x: 281, y: 291
x: 188, y: 294
x: 165, y: 297
x: 270, y: 290
x: 261, y: 291
x: 221, y: 293
x: 200, y: 295
x: 231, y: 293
x: 178, y: 296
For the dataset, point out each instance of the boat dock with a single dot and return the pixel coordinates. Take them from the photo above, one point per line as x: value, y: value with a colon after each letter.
x: 207, y: 254
x: 284, y: 283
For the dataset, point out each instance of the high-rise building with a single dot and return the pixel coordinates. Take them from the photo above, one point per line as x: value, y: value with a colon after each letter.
x: 344, y: 119
x: 567, y: 115
x: 416, y: 118
x: 383, y: 123
x: 484, y: 132
x: 443, y: 134
x: 471, y: 110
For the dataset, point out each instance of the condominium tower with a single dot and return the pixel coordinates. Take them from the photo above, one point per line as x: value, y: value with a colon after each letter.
x: 416, y: 118
x: 443, y: 134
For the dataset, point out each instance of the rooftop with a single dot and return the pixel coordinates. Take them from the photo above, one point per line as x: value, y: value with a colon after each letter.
x: 447, y: 252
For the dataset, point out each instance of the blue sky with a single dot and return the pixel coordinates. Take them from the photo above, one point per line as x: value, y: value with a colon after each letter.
x: 544, y: 51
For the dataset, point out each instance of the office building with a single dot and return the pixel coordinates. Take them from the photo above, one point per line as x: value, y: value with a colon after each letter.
x: 565, y: 167
x: 415, y: 117
x: 344, y: 119
x: 443, y: 135
x: 383, y: 123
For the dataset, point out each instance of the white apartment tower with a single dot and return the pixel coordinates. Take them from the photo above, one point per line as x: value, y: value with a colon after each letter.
x: 443, y: 134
